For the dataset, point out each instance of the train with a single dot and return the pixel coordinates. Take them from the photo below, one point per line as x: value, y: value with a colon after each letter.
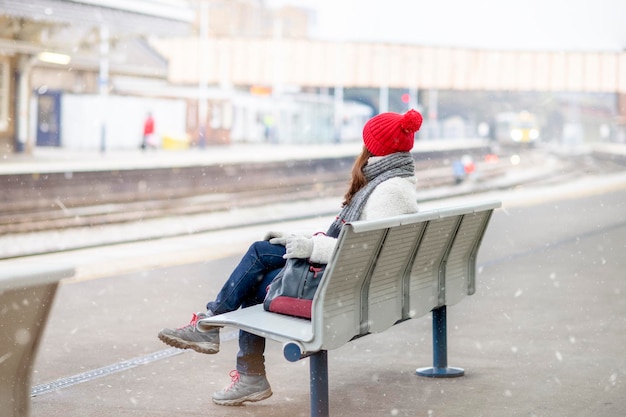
x: 516, y: 128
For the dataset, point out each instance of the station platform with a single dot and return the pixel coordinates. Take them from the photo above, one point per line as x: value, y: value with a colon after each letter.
x: 543, y: 336
x: 51, y: 159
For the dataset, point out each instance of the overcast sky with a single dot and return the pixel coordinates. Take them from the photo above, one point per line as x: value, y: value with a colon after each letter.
x: 494, y: 24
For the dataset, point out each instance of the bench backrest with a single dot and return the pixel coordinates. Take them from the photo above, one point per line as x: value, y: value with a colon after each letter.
x: 387, y: 271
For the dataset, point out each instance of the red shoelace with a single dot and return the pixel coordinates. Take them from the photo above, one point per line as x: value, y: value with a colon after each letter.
x: 234, y: 377
x: 193, y: 322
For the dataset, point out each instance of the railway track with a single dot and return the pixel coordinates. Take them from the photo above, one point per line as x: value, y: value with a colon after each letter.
x: 60, y: 216
x: 60, y: 229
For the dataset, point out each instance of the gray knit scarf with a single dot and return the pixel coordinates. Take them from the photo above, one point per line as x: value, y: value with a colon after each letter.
x: 395, y: 165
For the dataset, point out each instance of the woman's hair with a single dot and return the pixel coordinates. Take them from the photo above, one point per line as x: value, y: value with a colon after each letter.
x: 358, y: 180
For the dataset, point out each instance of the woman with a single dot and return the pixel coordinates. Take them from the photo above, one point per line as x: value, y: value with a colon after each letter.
x: 382, y: 185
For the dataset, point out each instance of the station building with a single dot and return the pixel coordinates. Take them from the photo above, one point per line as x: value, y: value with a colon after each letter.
x: 84, y: 74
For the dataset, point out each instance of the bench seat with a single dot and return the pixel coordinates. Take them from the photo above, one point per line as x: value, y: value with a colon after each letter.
x: 278, y: 327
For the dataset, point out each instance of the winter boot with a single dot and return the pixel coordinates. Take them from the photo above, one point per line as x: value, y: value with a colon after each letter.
x: 243, y: 388
x: 189, y: 337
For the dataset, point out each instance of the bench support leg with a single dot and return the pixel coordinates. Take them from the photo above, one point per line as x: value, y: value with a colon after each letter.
x: 440, y: 367
x: 318, y: 363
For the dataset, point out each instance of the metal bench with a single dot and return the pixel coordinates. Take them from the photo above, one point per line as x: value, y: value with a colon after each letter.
x: 26, y: 295
x: 382, y: 272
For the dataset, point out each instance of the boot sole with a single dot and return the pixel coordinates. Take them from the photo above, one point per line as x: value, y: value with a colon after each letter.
x: 200, y: 347
x: 257, y: 396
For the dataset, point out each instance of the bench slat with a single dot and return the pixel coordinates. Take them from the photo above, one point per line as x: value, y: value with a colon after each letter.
x: 424, y: 280
x: 340, y: 299
x: 461, y: 263
x: 387, y: 283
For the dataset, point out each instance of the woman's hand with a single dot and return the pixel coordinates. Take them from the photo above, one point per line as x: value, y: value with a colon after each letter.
x: 298, y: 247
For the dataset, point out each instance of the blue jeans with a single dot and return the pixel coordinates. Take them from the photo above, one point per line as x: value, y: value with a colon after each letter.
x: 246, y: 287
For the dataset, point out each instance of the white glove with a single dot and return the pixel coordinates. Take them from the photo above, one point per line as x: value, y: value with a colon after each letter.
x: 298, y: 247
x: 278, y: 241
x: 273, y: 234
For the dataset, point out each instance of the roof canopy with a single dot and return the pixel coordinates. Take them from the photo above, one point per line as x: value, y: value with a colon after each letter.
x: 137, y: 17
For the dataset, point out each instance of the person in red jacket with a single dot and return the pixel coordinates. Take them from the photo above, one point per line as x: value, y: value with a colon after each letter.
x: 149, y: 139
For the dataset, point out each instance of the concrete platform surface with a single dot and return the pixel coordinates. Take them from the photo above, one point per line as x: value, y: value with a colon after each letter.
x: 545, y: 334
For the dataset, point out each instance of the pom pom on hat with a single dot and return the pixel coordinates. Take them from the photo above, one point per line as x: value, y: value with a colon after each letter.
x: 388, y: 133
x: 411, y: 121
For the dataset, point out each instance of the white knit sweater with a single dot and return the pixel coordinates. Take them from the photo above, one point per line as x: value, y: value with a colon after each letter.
x: 390, y: 198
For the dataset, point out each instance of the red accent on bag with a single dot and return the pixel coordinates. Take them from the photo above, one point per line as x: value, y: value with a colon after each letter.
x: 298, y: 307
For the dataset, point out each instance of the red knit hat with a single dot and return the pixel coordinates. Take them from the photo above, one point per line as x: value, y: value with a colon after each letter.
x: 388, y: 133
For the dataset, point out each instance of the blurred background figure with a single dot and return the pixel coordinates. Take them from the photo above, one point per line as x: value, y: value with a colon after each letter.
x: 463, y: 168
x: 149, y: 138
